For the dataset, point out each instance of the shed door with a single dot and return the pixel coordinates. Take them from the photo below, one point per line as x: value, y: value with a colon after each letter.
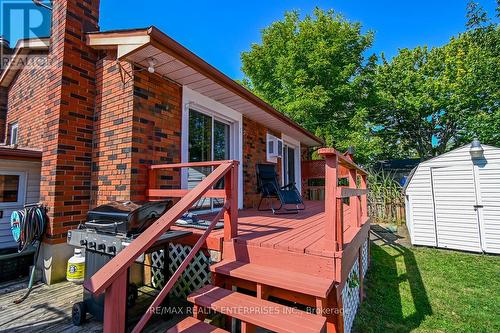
x: 457, y: 221
x: 489, y: 198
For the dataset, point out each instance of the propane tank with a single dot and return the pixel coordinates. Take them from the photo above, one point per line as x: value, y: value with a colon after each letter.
x: 76, y: 267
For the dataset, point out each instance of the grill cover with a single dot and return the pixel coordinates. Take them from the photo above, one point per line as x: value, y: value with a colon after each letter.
x: 126, y: 217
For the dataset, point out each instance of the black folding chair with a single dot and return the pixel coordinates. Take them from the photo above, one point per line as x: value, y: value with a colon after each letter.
x: 268, y: 187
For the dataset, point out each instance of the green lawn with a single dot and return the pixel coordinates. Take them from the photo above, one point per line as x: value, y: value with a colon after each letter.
x: 430, y: 290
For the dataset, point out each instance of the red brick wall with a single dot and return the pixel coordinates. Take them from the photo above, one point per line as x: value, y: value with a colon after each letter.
x: 156, y: 131
x: 112, y: 147
x: 254, y: 151
x: 26, y: 101
x: 3, y: 112
x: 68, y: 130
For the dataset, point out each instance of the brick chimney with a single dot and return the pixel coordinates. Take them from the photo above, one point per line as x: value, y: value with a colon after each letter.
x: 67, y: 153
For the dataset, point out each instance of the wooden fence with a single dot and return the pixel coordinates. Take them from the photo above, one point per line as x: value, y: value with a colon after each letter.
x: 387, y: 211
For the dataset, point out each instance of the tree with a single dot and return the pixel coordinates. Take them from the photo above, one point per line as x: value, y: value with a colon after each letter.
x: 312, y: 70
x: 431, y: 100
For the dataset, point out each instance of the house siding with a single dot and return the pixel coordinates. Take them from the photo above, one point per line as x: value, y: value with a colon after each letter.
x: 32, y: 195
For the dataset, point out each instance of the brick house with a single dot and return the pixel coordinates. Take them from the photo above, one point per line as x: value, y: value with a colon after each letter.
x: 111, y: 103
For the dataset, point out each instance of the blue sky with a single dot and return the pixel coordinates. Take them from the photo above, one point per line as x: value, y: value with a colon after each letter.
x: 219, y: 31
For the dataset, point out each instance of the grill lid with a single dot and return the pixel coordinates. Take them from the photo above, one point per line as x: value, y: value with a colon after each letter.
x: 126, y: 217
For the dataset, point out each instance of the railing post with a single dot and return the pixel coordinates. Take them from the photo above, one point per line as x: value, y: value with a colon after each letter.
x: 364, y: 199
x: 339, y: 241
x: 331, y: 182
x: 115, y: 300
x: 354, y: 201
x: 231, y: 214
x: 151, y: 181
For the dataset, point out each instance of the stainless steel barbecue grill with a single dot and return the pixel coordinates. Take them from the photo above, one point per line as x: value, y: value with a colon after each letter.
x: 108, y: 229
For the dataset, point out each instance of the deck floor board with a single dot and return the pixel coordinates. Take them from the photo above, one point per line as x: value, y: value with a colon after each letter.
x: 302, y: 232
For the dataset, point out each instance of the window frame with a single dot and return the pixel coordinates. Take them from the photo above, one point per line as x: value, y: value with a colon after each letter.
x: 21, y: 194
x: 14, y: 126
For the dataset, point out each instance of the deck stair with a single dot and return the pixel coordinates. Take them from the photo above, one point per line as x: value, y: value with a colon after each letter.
x: 255, y: 312
x: 193, y: 325
x: 275, y: 277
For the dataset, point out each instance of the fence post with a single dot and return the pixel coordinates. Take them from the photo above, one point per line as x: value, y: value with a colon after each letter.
x: 231, y: 214
x: 331, y: 182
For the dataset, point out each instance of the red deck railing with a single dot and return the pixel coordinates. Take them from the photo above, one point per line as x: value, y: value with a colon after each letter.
x: 338, y: 165
x: 112, y: 278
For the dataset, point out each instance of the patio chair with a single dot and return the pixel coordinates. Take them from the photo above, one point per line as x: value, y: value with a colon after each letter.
x: 268, y: 187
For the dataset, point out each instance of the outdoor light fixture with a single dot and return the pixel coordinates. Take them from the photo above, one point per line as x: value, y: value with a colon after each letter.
x: 476, y: 150
x: 152, y: 64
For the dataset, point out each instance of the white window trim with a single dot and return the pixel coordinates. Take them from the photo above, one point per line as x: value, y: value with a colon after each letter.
x: 21, y: 196
x: 201, y: 103
x: 294, y: 143
x: 11, y: 136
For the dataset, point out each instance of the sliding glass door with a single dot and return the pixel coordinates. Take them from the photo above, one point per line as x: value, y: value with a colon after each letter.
x: 209, y: 140
x: 288, y: 165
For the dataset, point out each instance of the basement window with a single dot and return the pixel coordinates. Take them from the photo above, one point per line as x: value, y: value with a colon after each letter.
x: 14, y: 128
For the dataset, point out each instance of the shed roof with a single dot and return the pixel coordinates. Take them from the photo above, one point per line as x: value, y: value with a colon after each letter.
x: 430, y: 160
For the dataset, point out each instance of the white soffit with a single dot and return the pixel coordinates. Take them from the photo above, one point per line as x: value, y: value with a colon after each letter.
x: 179, y: 72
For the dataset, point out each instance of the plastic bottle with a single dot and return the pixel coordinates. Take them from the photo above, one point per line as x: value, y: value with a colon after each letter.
x: 76, y: 267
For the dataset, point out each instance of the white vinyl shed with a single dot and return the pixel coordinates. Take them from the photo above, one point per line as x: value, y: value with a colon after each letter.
x: 453, y: 200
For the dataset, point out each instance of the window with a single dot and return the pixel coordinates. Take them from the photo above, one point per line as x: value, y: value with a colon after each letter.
x: 13, y: 133
x: 274, y: 148
x: 9, y: 188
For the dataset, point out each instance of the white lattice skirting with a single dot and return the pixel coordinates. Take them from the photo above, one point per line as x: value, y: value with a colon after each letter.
x: 350, y: 292
x: 196, y: 275
x: 350, y: 297
x: 364, y: 257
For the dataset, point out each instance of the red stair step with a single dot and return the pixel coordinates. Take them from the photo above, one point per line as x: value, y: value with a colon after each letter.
x: 261, y: 313
x: 275, y: 277
x: 193, y: 325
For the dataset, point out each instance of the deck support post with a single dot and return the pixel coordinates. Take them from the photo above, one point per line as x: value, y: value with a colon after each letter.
x: 331, y: 183
x: 262, y: 291
x: 248, y: 328
x: 115, y: 305
x: 231, y: 214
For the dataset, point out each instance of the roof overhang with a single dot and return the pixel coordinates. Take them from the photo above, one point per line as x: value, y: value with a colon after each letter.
x: 11, y: 153
x: 180, y: 65
x: 22, y: 50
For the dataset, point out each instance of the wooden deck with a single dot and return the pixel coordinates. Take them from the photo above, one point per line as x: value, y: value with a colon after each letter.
x: 302, y: 233
x: 48, y: 308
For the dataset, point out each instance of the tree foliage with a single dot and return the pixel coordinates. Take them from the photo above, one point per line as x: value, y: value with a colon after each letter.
x: 432, y: 100
x: 312, y: 70
x: 422, y: 102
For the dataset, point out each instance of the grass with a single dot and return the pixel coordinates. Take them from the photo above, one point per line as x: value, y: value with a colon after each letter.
x: 430, y: 290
